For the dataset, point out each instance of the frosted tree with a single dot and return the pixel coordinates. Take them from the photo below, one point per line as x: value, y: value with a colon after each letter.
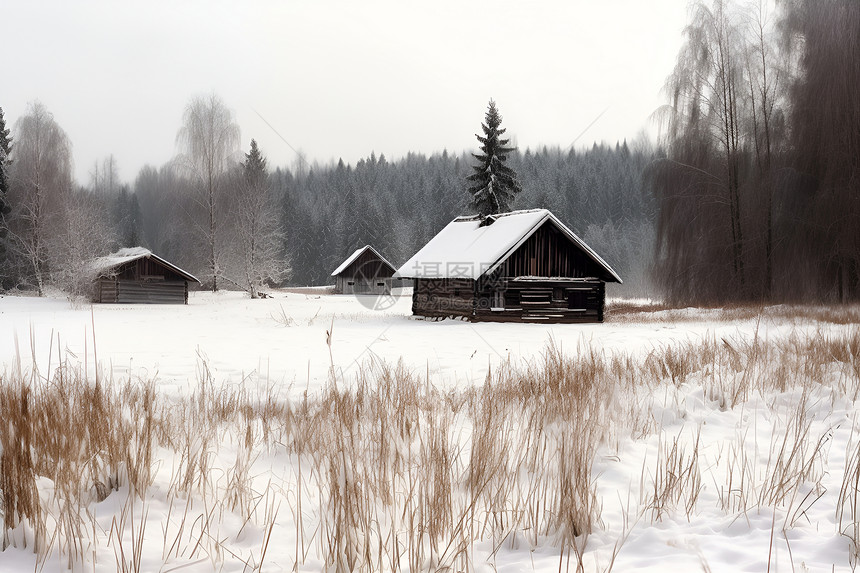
x: 5, y: 149
x: 259, y: 240
x: 104, y: 177
x: 41, y: 184
x: 85, y: 233
x: 494, y: 184
x: 209, y: 139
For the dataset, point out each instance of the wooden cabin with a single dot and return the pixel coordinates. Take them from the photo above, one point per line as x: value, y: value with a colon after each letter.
x: 364, y: 272
x: 136, y: 275
x: 523, y: 266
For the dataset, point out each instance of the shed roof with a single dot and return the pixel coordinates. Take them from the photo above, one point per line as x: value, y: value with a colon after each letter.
x: 466, y: 248
x: 354, y: 256
x: 104, y: 265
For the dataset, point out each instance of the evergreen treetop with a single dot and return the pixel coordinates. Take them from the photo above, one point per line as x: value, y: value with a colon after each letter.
x: 494, y: 184
x: 254, y: 166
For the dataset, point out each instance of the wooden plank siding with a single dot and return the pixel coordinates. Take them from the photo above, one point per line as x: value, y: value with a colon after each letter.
x: 548, y: 253
x: 444, y: 297
x: 542, y: 300
x: 141, y: 281
x: 128, y: 291
x: 147, y: 269
x: 531, y: 300
x: 151, y: 292
x: 365, y: 275
x: 107, y: 290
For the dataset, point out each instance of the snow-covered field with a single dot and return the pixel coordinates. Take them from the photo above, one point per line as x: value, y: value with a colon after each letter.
x: 709, y: 440
x: 281, y: 341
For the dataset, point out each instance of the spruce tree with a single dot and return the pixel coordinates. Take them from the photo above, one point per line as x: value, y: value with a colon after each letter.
x: 260, y: 240
x: 494, y: 184
x: 254, y: 167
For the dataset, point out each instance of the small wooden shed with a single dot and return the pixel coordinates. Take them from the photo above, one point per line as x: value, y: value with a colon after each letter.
x: 364, y: 272
x: 523, y: 266
x: 136, y: 275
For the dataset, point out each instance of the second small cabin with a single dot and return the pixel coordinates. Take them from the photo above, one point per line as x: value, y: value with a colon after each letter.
x: 364, y: 272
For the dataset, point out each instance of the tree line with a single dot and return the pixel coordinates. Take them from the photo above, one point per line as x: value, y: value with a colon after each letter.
x: 752, y: 193
x: 759, y: 183
x: 232, y: 221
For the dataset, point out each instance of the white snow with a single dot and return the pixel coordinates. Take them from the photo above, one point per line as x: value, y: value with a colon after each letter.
x: 118, y: 258
x: 281, y: 343
x: 283, y: 338
x: 465, y: 249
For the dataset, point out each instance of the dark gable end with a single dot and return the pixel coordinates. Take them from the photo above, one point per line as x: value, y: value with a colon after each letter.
x: 364, y: 272
x: 549, y: 252
x: 368, y: 264
x: 147, y: 269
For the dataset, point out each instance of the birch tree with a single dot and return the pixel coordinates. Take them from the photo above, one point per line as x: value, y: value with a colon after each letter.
x: 41, y: 184
x: 209, y: 143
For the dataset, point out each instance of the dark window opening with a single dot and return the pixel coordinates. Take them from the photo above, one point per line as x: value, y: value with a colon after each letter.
x: 576, y: 300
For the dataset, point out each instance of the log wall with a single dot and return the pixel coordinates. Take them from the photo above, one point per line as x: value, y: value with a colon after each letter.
x: 128, y: 291
x: 443, y: 297
x: 528, y: 300
x: 543, y: 300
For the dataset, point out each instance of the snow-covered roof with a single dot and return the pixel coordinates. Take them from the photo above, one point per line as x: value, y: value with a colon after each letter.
x: 466, y: 249
x: 103, y: 265
x: 354, y: 256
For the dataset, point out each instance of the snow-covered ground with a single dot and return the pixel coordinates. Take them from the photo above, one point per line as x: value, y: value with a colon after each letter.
x: 288, y: 345
x: 282, y: 340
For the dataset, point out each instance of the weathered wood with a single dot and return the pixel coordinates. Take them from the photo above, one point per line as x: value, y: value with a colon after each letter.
x: 367, y: 274
x: 535, y: 299
x: 525, y: 300
x: 128, y: 291
x: 138, y: 281
x: 548, y: 278
x: 548, y: 253
x: 443, y: 297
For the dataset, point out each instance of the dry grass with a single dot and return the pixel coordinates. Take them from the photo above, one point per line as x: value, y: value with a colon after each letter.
x: 392, y: 474
x: 848, y: 503
x: 310, y: 291
x: 623, y: 311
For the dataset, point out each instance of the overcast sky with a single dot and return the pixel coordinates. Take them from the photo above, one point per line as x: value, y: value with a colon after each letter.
x: 337, y: 79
